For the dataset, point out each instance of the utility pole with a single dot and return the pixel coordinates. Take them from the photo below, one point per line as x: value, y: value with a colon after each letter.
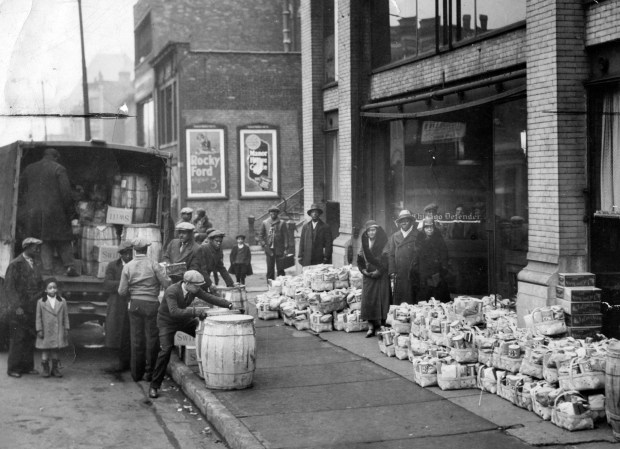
x: 84, y: 78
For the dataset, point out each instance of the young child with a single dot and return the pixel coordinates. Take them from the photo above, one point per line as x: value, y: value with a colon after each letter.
x: 52, y: 327
x: 240, y: 260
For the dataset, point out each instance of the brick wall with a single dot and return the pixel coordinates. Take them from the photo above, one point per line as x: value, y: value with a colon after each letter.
x: 602, y: 22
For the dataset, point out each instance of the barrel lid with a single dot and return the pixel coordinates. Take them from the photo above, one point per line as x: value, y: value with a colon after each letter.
x: 219, y: 311
x: 230, y: 319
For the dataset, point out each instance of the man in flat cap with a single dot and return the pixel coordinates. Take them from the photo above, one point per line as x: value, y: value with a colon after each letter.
x: 141, y: 280
x: 23, y: 286
x: 45, y: 196
x: 186, y: 215
x: 117, y: 317
x: 315, y: 244
x: 183, y: 248
x: 401, y: 251
x: 176, y: 314
x: 273, y: 237
x: 211, y: 259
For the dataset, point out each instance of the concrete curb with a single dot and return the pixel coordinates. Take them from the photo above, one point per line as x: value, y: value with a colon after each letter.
x: 236, y: 434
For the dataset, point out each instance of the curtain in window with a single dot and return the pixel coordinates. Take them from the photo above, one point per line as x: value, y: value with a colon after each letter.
x: 610, y: 152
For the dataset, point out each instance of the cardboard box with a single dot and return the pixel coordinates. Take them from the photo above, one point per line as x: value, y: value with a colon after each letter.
x: 578, y: 294
x: 101, y: 269
x: 189, y: 356
x: 583, y: 320
x: 183, y: 339
x: 105, y: 253
x: 580, y: 307
x: 583, y: 332
x: 576, y: 279
x: 117, y: 215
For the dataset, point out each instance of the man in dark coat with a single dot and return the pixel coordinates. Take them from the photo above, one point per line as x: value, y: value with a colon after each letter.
x: 176, y: 314
x: 46, y: 199
x: 273, y: 237
x: 430, y: 264
x: 315, y: 244
x: 400, y: 251
x: 23, y: 286
x: 183, y: 248
x: 210, y: 260
x: 117, y: 317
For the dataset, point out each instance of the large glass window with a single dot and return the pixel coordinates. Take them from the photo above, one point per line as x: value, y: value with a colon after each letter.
x: 167, y: 101
x: 403, y: 29
x: 146, y: 123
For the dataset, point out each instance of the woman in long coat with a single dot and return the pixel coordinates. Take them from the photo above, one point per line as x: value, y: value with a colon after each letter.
x: 373, y: 263
x: 430, y: 264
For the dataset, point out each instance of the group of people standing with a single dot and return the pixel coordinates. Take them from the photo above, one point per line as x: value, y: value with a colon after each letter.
x: 409, y: 266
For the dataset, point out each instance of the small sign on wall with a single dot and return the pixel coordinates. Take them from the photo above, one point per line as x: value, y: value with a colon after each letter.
x: 206, y: 174
x: 258, y: 156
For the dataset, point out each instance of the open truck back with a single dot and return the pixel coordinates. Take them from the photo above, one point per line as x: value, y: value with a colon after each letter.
x: 119, y: 191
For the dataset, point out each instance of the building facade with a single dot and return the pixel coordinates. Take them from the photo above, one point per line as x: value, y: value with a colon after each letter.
x: 502, y: 113
x: 219, y: 86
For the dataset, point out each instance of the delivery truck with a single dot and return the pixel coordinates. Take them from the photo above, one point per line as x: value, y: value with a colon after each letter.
x: 119, y: 192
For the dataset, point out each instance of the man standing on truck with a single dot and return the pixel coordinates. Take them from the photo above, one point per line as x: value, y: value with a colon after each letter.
x: 141, y: 280
x: 117, y: 319
x: 47, y: 208
x: 23, y: 286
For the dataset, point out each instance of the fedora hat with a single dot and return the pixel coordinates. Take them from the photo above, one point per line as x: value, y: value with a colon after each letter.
x: 404, y: 214
x: 315, y: 207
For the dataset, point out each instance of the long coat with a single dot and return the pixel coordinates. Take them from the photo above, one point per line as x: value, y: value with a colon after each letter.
x: 174, y: 254
x: 45, y: 198
x: 431, y: 259
x: 376, y: 292
x: 315, y: 248
x: 241, y: 261
x: 274, y: 230
x: 117, y: 304
x: 400, y: 252
x: 54, y: 322
x: 23, y: 286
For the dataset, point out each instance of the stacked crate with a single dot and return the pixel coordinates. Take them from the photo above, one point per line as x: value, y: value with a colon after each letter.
x: 581, y: 302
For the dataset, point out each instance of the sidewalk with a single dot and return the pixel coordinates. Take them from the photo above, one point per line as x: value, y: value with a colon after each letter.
x: 336, y: 389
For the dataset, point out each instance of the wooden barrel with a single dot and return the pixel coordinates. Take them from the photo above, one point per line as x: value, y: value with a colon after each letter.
x: 134, y: 191
x: 612, y: 387
x: 150, y: 233
x: 227, y: 351
x: 236, y: 295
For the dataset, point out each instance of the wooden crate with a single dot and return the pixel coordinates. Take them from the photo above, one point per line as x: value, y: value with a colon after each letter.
x: 571, y: 307
x: 578, y: 294
x: 576, y: 279
x: 584, y: 320
x: 583, y: 332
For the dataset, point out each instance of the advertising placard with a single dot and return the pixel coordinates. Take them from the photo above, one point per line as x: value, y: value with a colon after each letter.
x: 258, y: 156
x: 206, y: 174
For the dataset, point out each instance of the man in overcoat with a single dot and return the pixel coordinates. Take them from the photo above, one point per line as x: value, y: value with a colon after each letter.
x: 23, y: 285
x: 401, y: 250
x: 117, y: 317
x: 176, y: 314
x: 182, y: 249
x: 315, y: 244
x: 46, y: 199
x: 273, y: 237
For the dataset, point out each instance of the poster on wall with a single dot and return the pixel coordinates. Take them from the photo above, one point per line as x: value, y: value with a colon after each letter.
x: 206, y: 175
x: 258, y: 146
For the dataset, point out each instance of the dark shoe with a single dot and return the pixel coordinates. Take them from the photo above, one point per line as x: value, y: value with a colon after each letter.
x: 32, y: 371
x: 14, y: 374
x: 46, y: 369
x: 71, y: 272
x: 148, y: 377
x: 153, y: 393
x: 55, y: 369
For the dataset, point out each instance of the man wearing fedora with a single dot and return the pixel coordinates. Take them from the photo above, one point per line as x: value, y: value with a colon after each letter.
x: 315, y: 244
x: 401, y: 251
x: 273, y: 237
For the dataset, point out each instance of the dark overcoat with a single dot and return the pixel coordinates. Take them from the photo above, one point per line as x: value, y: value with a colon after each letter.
x: 431, y: 258
x: 376, y: 292
x: 54, y: 322
x: 117, y: 305
x: 174, y: 254
x: 241, y: 260
x: 45, y: 201
x: 23, y: 286
x: 276, y: 230
x: 400, y: 252
x: 315, y: 248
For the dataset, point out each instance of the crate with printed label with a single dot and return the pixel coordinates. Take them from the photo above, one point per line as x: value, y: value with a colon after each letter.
x: 578, y: 294
x: 576, y: 279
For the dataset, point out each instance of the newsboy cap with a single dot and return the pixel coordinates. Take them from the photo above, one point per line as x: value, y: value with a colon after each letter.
x: 30, y: 241
x: 184, y: 226
x: 215, y: 233
x: 193, y: 277
x: 274, y: 209
x: 187, y: 210
x: 431, y: 206
x: 140, y: 243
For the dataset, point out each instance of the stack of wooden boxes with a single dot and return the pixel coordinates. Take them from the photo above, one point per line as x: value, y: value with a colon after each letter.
x: 581, y: 302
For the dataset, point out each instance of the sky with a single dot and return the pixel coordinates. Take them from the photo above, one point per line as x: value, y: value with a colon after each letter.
x: 40, y: 59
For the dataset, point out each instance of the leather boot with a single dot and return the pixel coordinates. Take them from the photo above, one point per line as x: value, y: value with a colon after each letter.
x: 55, y: 371
x: 46, y: 368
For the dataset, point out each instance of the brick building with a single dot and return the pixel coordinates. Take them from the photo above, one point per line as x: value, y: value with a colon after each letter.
x: 218, y: 84
x: 504, y: 113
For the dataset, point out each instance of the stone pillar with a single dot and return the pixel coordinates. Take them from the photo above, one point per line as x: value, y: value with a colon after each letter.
x: 556, y: 141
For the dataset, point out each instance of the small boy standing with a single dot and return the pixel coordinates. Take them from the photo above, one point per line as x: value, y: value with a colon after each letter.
x: 52, y: 326
x: 240, y: 260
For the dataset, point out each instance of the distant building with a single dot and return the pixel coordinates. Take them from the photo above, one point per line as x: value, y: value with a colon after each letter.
x: 218, y: 84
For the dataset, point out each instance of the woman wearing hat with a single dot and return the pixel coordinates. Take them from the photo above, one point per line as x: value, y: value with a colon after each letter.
x: 315, y: 244
x: 430, y: 264
x: 400, y: 250
x: 373, y: 263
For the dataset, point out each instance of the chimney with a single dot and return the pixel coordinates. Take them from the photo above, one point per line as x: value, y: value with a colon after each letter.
x: 467, y: 22
x: 484, y: 20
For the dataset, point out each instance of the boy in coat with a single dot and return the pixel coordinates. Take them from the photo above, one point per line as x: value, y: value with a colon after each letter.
x: 241, y: 260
